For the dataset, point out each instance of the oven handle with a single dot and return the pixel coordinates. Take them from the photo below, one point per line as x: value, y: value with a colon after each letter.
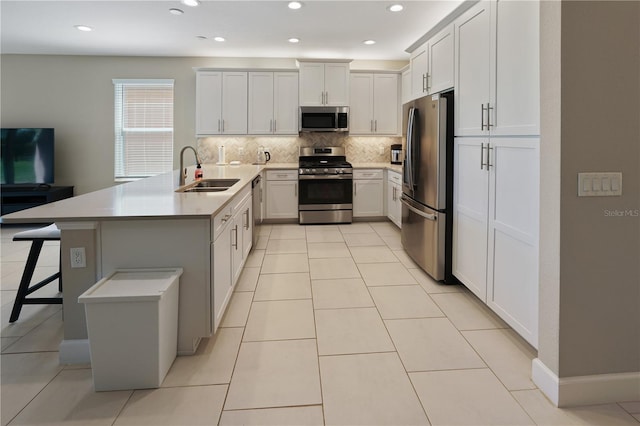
x: 427, y: 216
x: 334, y: 177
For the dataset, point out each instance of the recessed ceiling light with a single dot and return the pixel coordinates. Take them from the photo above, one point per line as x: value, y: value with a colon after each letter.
x: 295, y: 5
x: 369, y: 42
x: 175, y: 11
x: 294, y: 40
x: 83, y: 28
x: 219, y: 38
x: 395, y: 7
x: 192, y: 3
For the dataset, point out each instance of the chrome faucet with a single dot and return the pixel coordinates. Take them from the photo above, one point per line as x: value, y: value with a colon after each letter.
x: 183, y: 170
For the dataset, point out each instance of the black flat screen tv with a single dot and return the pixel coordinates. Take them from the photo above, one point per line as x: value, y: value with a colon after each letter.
x: 27, y: 156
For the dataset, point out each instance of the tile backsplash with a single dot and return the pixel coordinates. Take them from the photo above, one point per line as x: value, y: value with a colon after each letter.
x: 284, y: 149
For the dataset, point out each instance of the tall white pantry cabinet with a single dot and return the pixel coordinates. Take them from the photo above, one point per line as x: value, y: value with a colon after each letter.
x: 497, y: 158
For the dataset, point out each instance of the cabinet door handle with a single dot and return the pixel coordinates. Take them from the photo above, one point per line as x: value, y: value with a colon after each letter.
x: 218, y: 125
x: 235, y: 232
x: 223, y: 125
x: 375, y: 125
x: 270, y: 126
x: 246, y: 226
x: 481, y: 156
x: 355, y: 190
x: 489, y: 151
x: 489, y: 109
x: 225, y: 218
x: 295, y: 189
x: 481, y: 116
x: 428, y: 86
x: 424, y: 83
x: 274, y: 125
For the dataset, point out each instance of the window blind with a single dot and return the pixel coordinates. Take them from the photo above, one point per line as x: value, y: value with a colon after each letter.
x: 143, y: 128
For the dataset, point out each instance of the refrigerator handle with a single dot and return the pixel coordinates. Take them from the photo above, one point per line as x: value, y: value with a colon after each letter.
x: 416, y: 211
x: 414, y: 149
x: 408, y: 172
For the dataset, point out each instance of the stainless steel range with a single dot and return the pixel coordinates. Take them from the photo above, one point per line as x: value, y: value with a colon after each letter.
x: 326, y: 186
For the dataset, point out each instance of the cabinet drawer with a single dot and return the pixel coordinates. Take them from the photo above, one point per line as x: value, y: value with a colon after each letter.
x: 394, y: 177
x: 220, y: 221
x: 240, y: 198
x: 367, y: 173
x: 282, y: 174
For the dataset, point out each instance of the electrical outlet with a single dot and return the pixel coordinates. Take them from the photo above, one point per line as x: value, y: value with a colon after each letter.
x: 78, y: 257
x: 241, y: 151
x: 381, y: 150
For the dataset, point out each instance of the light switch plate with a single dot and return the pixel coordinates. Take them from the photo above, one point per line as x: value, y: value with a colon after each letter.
x: 601, y: 184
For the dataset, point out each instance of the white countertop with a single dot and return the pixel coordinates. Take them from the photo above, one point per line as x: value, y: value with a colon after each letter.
x: 150, y: 198
x: 388, y: 166
x: 155, y: 197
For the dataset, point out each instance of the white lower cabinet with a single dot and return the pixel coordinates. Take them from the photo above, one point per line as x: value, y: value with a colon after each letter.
x: 368, y: 193
x: 232, y: 230
x: 496, y: 222
x: 394, y: 191
x: 282, y: 194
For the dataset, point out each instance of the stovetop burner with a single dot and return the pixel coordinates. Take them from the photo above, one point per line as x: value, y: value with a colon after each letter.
x: 323, y: 161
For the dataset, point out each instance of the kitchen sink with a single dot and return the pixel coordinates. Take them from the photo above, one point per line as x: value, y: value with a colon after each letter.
x: 209, y: 185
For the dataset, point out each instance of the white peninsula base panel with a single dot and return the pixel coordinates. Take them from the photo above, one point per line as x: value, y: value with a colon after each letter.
x: 162, y: 243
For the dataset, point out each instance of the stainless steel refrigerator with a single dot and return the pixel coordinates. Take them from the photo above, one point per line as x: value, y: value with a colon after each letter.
x: 427, y: 183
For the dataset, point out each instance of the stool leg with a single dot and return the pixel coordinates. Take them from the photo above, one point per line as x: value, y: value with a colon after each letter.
x: 23, y: 288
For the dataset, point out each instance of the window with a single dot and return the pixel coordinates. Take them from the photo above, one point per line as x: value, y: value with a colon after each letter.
x: 143, y: 128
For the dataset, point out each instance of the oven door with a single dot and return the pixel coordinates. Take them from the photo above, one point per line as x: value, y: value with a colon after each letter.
x: 325, y: 192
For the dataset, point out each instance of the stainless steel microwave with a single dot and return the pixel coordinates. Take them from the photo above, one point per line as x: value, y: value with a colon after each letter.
x: 324, y: 119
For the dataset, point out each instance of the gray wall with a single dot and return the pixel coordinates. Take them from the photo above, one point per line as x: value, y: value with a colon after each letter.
x: 590, y: 294
x: 74, y: 94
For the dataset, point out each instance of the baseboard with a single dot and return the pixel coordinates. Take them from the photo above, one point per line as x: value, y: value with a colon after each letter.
x: 76, y: 351
x: 585, y: 390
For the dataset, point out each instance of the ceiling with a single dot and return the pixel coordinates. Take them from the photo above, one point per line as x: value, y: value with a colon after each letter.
x: 326, y: 29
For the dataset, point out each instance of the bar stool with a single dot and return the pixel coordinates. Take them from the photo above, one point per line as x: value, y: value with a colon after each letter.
x: 37, y: 237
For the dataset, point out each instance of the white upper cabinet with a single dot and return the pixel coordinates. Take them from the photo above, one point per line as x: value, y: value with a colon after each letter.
x: 419, y: 64
x: 374, y: 104
x: 260, y: 103
x: 472, y: 94
x: 361, y: 108
x: 234, y: 103
x: 497, y: 69
x: 285, y: 103
x: 441, y: 47
x: 324, y: 84
x: 273, y: 103
x: 208, y: 102
x: 517, y: 75
x: 432, y: 65
x: 221, y: 103
x: 386, y: 111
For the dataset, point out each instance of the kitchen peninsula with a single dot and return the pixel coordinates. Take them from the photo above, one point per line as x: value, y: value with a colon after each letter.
x: 147, y: 224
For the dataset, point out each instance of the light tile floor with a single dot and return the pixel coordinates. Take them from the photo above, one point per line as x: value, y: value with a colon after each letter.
x: 328, y: 325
